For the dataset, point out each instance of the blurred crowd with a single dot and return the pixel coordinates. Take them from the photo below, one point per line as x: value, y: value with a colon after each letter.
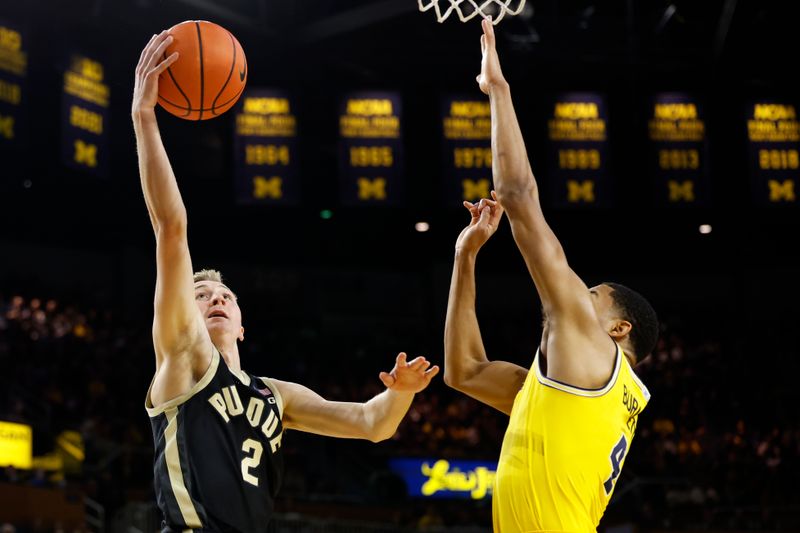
x: 718, y: 446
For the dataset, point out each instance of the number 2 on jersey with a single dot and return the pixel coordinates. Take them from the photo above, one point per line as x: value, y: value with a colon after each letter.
x: 251, y: 462
x: 617, y: 455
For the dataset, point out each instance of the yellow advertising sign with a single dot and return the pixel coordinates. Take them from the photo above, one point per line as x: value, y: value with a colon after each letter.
x: 16, y: 445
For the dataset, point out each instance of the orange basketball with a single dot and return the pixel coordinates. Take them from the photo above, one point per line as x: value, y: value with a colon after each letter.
x: 209, y: 74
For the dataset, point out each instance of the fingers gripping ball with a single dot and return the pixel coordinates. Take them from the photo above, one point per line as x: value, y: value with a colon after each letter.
x: 209, y: 75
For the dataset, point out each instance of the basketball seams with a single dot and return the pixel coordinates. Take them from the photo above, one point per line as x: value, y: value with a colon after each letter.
x: 202, y: 74
x: 172, y: 77
x: 233, y: 66
x: 190, y: 109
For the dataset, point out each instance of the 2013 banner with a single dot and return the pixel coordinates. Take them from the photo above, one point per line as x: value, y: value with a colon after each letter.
x: 679, y: 149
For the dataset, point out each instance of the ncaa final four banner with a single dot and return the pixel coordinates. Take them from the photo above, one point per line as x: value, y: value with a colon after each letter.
x: 371, y: 149
x: 13, y: 71
x: 578, y: 150
x: 679, y: 149
x: 467, y: 131
x: 773, y: 134
x: 265, y: 144
x: 85, y: 116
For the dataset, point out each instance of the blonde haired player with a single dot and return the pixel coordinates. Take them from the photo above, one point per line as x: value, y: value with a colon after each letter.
x: 217, y: 429
x: 573, y: 414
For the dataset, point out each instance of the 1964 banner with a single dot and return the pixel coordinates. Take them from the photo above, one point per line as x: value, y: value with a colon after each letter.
x: 467, y: 157
x: 773, y: 132
x: 679, y: 149
x: 84, y: 111
x: 371, y: 149
x: 265, y: 144
x: 577, y: 156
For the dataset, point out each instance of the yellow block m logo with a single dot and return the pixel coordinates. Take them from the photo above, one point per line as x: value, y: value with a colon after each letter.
x: 372, y: 188
x: 267, y: 188
x: 474, y: 190
x: 582, y: 191
x: 7, y: 127
x: 781, y: 191
x: 681, y: 191
x: 85, y: 153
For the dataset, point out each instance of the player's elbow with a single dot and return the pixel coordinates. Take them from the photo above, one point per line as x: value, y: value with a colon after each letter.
x: 382, y: 434
x: 170, y: 227
x: 455, y: 380
x: 511, y: 195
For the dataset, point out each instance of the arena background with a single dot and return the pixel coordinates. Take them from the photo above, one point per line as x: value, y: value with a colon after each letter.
x: 330, y: 293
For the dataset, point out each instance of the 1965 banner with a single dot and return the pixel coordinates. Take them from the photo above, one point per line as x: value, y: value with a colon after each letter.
x: 371, y: 149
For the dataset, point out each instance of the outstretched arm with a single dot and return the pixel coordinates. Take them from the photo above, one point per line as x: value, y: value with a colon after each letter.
x: 375, y: 420
x: 467, y: 367
x: 575, y: 333
x: 182, y: 345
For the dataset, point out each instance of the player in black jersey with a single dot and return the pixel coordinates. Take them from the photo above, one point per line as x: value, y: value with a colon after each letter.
x: 217, y: 429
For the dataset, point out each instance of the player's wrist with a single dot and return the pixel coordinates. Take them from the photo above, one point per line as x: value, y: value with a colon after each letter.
x: 464, y: 252
x: 499, y: 87
x: 141, y: 113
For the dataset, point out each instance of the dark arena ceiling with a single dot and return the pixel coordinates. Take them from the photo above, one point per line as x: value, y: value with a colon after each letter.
x: 725, y: 50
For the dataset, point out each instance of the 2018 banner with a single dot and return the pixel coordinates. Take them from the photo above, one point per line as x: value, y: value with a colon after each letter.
x: 371, y: 149
x: 265, y: 144
x: 467, y: 129
x: 84, y: 112
x: 773, y: 132
x: 577, y: 128
x: 679, y: 149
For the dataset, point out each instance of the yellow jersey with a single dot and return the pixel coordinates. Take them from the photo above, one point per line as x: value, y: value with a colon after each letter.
x: 564, y: 450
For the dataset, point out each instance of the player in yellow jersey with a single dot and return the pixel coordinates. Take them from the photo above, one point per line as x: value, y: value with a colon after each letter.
x: 573, y: 413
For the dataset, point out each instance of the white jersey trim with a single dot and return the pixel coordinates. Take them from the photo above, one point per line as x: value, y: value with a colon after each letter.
x: 577, y: 391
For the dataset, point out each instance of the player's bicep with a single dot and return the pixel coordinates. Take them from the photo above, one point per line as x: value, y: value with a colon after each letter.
x: 495, y: 383
x: 177, y: 324
x: 305, y: 410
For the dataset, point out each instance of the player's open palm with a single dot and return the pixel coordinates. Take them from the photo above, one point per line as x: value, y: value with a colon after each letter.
x: 151, y: 65
x: 409, y: 376
x: 491, y: 75
x: 486, y: 216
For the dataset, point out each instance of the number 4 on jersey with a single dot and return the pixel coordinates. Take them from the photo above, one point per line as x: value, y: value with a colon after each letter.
x: 617, y: 456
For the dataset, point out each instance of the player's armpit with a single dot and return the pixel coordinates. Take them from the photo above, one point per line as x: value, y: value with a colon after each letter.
x: 495, y: 383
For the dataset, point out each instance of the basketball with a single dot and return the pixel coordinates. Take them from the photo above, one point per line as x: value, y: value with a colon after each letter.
x: 209, y: 75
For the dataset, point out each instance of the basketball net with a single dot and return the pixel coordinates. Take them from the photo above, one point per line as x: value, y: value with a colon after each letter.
x: 468, y: 9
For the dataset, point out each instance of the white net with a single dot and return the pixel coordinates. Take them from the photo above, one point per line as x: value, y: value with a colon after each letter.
x: 468, y: 9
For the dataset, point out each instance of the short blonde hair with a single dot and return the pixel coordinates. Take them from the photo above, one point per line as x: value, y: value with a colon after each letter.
x: 208, y: 274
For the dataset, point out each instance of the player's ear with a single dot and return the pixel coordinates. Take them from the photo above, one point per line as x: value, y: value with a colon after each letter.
x: 620, y: 329
x: 241, y: 333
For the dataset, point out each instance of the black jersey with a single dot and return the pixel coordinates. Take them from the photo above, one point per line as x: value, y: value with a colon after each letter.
x: 218, y: 459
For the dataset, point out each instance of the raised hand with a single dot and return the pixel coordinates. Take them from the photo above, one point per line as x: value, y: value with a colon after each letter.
x: 486, y: 216
x: 412, y: 376
x: 151, y: 65
x: 491, y: 75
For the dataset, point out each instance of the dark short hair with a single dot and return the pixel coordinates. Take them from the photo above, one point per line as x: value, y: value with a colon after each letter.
x: 638, y: 311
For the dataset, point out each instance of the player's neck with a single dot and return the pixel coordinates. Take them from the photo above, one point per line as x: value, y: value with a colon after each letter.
x: 230, y: 353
